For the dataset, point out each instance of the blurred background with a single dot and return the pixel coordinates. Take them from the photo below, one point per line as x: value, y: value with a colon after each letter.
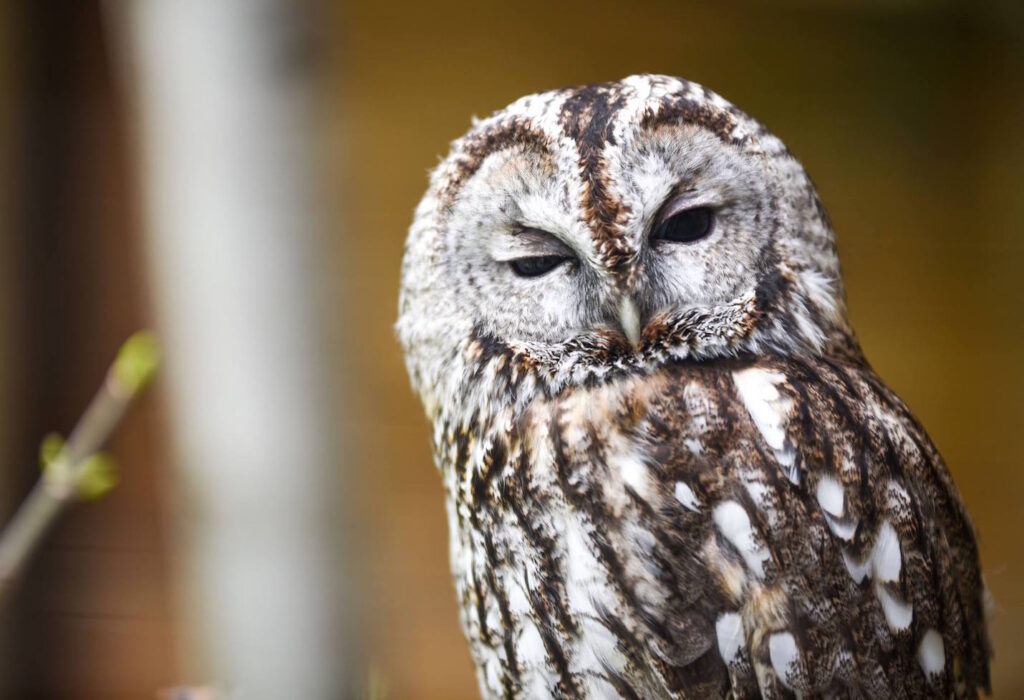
x: 240, y: 175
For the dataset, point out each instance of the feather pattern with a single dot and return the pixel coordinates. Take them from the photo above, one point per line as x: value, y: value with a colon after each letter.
x: 669, y: 470
x: 570, y: 518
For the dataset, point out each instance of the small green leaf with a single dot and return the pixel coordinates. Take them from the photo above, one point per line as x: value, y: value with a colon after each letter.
x: 137, y: 361
x: 50, y: 449
x: 96, y: 476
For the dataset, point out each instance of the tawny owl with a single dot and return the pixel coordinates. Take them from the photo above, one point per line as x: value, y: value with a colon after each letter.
x: 669, y: 470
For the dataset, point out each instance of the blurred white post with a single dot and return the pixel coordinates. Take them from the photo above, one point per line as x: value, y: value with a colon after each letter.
x: 236, y: 253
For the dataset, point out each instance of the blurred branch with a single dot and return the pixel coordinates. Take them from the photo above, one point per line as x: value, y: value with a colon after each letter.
x: 74, y: 470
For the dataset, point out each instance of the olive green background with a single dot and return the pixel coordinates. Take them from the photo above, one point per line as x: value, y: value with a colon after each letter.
x: 908, y: 116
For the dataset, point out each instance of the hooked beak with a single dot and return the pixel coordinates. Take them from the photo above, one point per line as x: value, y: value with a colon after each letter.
x: 629, y: 320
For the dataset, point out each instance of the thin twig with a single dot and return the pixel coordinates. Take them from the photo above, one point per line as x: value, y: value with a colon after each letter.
x: 74, y: 470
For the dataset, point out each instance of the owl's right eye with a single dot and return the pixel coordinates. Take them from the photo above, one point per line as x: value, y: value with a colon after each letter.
x: 684, y: 226
x: 536, y: 265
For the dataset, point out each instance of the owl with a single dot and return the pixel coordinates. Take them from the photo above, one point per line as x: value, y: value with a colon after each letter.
x: 669, y: 470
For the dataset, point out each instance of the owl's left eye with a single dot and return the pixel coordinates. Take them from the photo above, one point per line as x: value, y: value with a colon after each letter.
x: 536, y: 265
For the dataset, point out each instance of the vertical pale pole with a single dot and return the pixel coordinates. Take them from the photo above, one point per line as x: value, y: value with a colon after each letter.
x: 235, y: 252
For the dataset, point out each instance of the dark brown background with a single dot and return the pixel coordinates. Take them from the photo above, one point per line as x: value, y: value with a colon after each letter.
x: 907, y: 114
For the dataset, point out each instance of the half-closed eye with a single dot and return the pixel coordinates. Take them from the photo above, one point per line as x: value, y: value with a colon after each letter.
x: 681, y: 222
x: 537, y: 265
x: 535, y: 253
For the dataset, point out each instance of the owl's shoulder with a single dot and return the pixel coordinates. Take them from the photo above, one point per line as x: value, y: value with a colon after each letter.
x: 833, y: 547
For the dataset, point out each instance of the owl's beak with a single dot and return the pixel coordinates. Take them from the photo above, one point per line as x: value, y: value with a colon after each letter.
x: 629, y: 320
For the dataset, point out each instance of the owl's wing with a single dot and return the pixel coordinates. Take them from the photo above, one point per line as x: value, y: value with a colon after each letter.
x: 815, y: 526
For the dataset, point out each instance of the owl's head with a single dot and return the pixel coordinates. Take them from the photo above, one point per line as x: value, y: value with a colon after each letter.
x: 589, y: 231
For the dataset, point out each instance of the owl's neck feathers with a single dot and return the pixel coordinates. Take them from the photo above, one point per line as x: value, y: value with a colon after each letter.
x: 791, y: 313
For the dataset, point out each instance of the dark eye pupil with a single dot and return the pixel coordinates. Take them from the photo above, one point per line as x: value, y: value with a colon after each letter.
x: 537, y: 265
x: 686, y: 226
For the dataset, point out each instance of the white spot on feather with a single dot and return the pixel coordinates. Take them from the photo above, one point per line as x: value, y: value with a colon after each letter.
x: 858, y: 569
x: 886, y: 558
x: 729, y: 630
x: 633, y: 471
x: 884, y: 561
x: 785, y: 657
x: 768, y: 408
x: 686, y: 496
x: 843, y: 528
x: 693, y: 445
x: 931, y: 653
x: 758, y: 491
x: 898, y: 613
x: 830, y: 496
x: 734, y: 524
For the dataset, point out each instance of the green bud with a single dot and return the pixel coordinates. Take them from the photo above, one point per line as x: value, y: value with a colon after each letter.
x: 50, y: 449
x: 137, y: 361
x: 96, y: 476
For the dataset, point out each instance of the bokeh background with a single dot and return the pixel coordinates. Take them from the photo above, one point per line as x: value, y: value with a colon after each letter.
x: 907, y: 113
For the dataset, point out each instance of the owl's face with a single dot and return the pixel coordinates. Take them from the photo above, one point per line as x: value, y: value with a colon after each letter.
x: 613, y: 227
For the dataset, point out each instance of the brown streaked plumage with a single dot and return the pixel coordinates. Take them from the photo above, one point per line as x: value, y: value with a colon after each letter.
x: 669, y: 470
